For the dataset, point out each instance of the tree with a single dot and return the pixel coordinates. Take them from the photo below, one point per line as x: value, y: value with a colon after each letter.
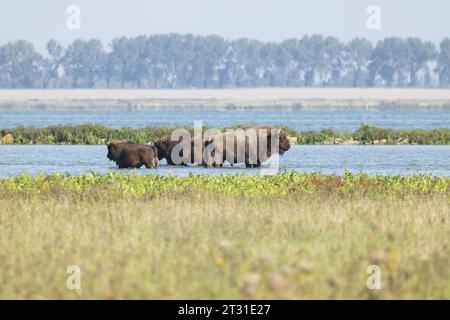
x: 128, y: 59
x: 313, y: 58
x: 443, y: 67
x: 118, y: 61
x: 188, y: 61
x: 20, y: 65
x: 390, y: 61
x: 209, y: 60
x: 55, y: 53
x: 242, y: 64
x: 420, y: 53
x: 155, y: 58
x: 332, y: 55
x: 84, y: 62
x: 357, y: 58
x: 293, y: 57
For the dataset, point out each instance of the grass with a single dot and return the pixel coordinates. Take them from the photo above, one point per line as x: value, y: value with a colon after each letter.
x: 293, y: 236
x: 98, y: 134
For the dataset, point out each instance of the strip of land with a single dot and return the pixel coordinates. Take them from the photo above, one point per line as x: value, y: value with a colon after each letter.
x: 225, y: 98
x: 98, y: 134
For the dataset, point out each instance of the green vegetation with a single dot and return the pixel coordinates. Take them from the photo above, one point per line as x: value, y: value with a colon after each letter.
x: 279, y: 185
x: 98, y: 134
x: 82, y: 134
x: 293, y: 236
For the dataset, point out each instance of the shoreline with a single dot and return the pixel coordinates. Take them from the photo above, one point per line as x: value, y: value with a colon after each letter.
x: 225, y: 99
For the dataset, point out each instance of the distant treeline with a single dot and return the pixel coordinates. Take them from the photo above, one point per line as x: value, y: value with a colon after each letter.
x: 188, y: 61
x: 93, y: 134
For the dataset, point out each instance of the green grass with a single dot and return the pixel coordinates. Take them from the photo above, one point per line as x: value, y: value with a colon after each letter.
x: 289, y: 184
x: 293, y: 236
x: 98, y: 134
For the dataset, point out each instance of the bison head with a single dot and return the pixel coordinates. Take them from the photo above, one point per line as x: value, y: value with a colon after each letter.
x: 111, y: 151
x: 284, y: 144
x: 283, y: 141
x: 115, y: 147
x: 163, y: 145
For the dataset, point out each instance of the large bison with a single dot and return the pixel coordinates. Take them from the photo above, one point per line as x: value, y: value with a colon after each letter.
x: 128, y: 154
x: 245, y: 146
x: 167, y: 149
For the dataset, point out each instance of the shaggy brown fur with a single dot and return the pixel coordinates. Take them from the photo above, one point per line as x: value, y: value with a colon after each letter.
x: 128, y: 154
x: 218, y: 147
x: 165, y: 148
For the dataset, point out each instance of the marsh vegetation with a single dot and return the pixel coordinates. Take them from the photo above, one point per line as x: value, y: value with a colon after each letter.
x: 288, y: 236
x: 93, y: 134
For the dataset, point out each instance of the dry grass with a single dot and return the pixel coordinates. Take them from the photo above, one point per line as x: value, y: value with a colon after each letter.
x: 223, y: 98
x: 240, y: 94
x: 224, y: 247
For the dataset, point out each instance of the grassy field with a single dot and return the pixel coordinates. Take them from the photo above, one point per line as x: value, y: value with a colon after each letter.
x: 294, y: 236
x: 98, y: 134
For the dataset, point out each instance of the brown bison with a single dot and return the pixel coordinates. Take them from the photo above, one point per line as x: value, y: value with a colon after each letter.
x: 128, y: 154
x: 167, y: 150
x: 165, y: 146
x: 244, y: 146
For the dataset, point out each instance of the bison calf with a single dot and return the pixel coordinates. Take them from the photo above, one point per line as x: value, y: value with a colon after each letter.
x: 128, y: 154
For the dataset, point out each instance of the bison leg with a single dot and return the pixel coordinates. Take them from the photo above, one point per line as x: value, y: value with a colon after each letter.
x: 253, y: 165
x: 147, y: 164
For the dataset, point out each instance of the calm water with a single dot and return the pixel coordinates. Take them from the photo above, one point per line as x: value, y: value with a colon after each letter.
x: 298, y: 119
x: 409, y: 159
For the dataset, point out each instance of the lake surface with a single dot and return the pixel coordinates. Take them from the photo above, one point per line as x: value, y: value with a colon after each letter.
x: 298, y: 119
x: 400, y: 159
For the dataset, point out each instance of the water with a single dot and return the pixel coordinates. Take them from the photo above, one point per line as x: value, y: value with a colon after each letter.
x: 402, y: 160
x: 383, y: 160
x: 298, y: 119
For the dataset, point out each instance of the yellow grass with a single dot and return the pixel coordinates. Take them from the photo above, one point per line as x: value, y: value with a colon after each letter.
x: 205, y: 246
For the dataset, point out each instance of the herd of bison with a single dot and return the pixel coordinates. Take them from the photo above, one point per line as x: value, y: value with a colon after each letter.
x: 222, y: 146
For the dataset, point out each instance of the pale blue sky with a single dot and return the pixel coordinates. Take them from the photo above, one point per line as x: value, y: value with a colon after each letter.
x: 39, y: 21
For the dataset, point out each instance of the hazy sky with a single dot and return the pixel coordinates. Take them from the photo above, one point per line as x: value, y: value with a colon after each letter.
x: 39, y: 21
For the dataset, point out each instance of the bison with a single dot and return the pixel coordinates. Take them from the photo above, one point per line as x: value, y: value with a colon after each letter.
x: 128, y: 154
x: 165, y: 146
x: 244, y: 146
x: 166, y: 149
